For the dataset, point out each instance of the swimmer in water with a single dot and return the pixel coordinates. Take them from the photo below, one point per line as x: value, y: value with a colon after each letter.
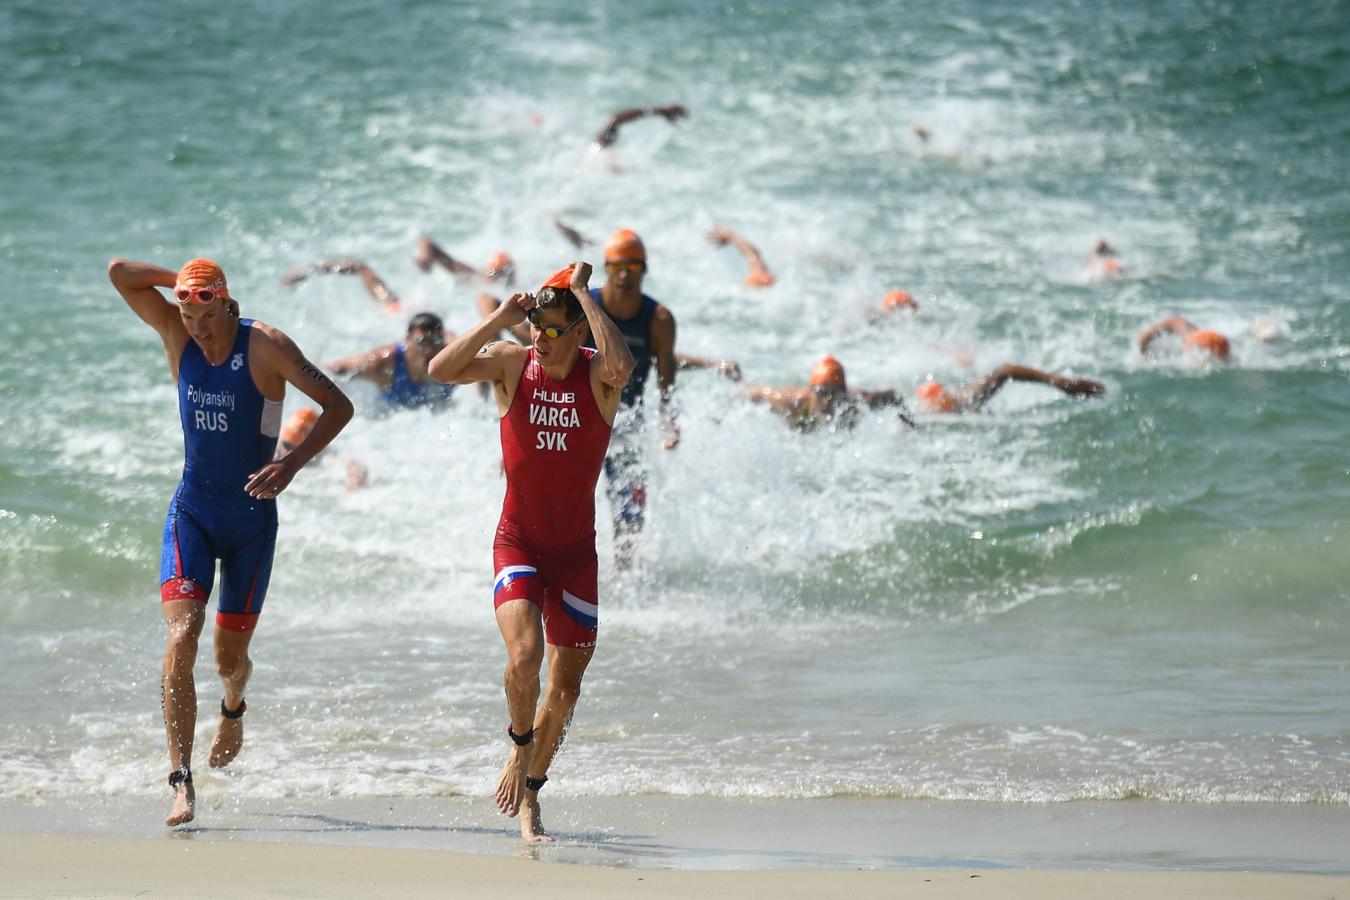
x: 759, y: 275
x: 934, y: 397
x: 827, y: 400
x: 1104, y: 263
x: 399, y: 370
x: 1201, y: 344
x: 610, y: 133
x: 232, y: 375
x: 894, y: 302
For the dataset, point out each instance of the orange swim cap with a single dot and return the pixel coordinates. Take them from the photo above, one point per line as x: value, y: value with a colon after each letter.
x: 933, y: 397
x: 500, y: 266
x: 828, y: 372
x: 760, y: 279
x: 200, y: 275
x: 1210, y: 341
x: 561, y: 279
x: 624, y: 244
x: 898, y: 300
x: 298, y: 426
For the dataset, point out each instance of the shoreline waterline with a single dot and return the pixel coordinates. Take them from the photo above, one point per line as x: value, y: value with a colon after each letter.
x: 653, y: 832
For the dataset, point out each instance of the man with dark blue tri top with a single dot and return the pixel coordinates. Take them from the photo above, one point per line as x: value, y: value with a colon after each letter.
x: 231, y: 376
x: 649, y: 330
x: 399, y: 370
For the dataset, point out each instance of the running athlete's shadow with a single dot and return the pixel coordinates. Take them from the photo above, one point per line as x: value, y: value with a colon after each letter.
x: 315, y: 823
x: 320, y: 824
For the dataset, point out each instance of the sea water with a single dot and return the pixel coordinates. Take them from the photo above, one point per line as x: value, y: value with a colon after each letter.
x: 1139, y: 596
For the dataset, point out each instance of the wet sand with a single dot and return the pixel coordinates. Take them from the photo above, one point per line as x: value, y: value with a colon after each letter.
x: 667, y: 847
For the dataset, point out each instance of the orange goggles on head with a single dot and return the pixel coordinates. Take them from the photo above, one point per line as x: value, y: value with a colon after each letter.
x: 207, y: 293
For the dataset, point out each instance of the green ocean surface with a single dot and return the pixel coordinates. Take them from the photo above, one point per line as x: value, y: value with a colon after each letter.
x: 1146, y: 595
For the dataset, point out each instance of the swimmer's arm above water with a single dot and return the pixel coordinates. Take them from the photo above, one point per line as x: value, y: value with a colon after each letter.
x: 782, y: 400
x: 610, y: 133
x: 574, y: 237
x: 429, y: 252
x: 759, y: 275
x: 373, y: 283
x: 878, y: 399
x: 979, y: 392
x: 885, y: 399
x: 370, y: 364
x: 725, y: 367
x: 1177, y: 325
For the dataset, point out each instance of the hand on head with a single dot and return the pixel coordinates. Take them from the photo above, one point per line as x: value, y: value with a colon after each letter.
x: 581, y: 276
x: 516, y: 308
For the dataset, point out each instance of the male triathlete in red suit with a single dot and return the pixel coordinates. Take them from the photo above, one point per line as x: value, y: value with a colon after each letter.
x: 557, y: 402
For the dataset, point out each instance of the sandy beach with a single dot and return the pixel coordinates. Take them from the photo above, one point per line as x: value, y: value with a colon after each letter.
x: 669, y: 847
x: 50, y: 866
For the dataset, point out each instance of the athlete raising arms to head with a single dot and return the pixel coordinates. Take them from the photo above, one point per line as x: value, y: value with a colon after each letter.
x: 231, y: 375
x: 557, y: 402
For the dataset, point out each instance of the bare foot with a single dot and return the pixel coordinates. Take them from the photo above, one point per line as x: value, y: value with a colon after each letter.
x: 531, y: 823
x: 511, y: 783
x: 184, y: 798
x: 229, y: 738
x: 228, y: 742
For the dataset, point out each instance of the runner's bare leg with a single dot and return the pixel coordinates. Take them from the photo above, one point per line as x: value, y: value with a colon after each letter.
x: 566, y: 667
x: 178, y: 696
x: 523, y: 631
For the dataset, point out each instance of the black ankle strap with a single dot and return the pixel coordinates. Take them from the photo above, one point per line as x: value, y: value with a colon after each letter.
x: 180, y: 776
x: 233, y: 714
x: 522, y: 740
x: 534, y: 784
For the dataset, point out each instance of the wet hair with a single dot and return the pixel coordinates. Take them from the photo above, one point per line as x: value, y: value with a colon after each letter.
x: 426, y: 322
x: 559, y: 298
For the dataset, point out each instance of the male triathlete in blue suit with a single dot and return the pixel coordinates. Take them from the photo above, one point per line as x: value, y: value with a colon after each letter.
x: 400, y: 370
x: 231, y: 376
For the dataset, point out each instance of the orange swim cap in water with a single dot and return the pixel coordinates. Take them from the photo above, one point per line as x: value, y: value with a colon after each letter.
x: 760, y: 279
x: 500, y: 266
x: 1210, y: 341
x: 200, y: 281
x: 828, y: 372
x: 933, y: 397
x: 625, y: 245
x: 561, y: 279
x: 898, y: 300
x: 298, y: 426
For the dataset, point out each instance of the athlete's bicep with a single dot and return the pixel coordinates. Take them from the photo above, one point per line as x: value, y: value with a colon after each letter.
x: 607, y: 396
x: 311, y: 380
x: 492, y: 363
x: 285, y: 359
